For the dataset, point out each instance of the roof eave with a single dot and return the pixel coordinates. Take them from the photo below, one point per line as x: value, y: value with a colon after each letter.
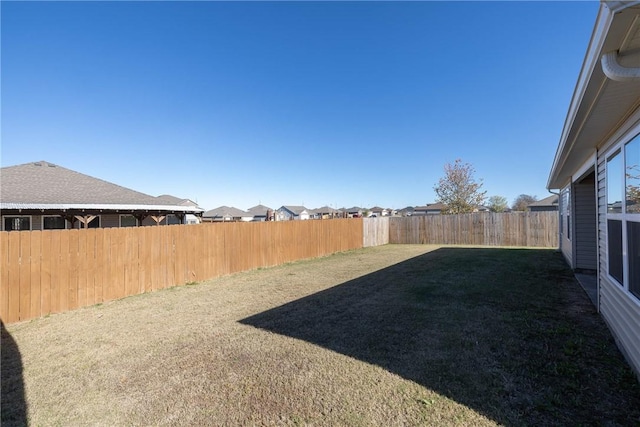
x: 603, y: 23
x: 574, y: 149
x: 98, y: 207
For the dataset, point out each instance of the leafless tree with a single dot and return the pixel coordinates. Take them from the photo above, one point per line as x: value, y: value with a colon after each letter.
x: 522, y: 201
x: 458, y: 189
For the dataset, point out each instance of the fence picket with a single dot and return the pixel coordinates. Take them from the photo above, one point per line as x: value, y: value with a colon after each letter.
x: 4, y: 276
x: 35, y: 279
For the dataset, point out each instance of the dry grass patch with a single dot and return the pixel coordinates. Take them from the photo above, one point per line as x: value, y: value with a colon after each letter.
x: 395, y: 335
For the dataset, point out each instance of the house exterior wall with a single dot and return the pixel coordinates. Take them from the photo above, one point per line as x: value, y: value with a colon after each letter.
x: 36, y: 222
x: 284, y: 215
x: 619, y: 307
x: 109, y: 221
x: 585, y: 241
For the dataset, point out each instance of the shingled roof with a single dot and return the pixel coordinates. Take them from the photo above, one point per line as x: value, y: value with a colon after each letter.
x: 45, y: 185
x: 296, y: 210
x: 259, y: 210
x: 226, y: 212
x: 167, y: 199
x: 549, y: 201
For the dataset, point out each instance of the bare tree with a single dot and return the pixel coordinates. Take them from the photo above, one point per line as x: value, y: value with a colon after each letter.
x: 497, y: 204
x: 522, y: 201
x: 458, y: 189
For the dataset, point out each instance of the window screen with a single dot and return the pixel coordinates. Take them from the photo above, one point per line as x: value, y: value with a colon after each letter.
x: 615, y: 249
x: 633, y: 239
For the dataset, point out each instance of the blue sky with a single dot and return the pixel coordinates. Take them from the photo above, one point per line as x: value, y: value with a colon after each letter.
x: 289, y: 103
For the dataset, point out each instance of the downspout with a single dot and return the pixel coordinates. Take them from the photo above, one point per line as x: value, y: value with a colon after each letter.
x: 616, y: 72
x: 559, y: 222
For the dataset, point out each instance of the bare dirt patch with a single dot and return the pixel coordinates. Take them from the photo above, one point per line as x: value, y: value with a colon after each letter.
x: 395, y: 335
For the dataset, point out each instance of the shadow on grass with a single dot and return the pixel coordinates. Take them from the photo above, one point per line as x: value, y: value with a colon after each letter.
x: 13, y: 407
x: 505, y: 332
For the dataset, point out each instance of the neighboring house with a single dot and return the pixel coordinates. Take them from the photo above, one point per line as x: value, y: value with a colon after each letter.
x: 261, y: 213
x: 173, y: 200
x: 354, y: 212
x: 226, y: 214
x: 285, y: 213
x: 326, y: 212
x: 408, y: 211
x: 378, y: 211
x: 172, y: 219
x: 45, y: 196
x: 430, y: 209
x: 544, y: 205
x: 596, y: 170
x: 439, y: 208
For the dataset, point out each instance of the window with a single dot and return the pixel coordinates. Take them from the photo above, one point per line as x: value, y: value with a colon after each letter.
x: 173, y: 219
x: 565, y: 217
x: 53, y: 223
x: 614, y: 243
x: 614, y: 183
x: 128, y: 221
x: 17, y: 223
x: 632, y: 176
x: 623, y: 216
x: 633, y: 237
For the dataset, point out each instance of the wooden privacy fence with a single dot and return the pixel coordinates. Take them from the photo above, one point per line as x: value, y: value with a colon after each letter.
x: 53, y: 271
x: 535, y: 229
x: 376, y: 231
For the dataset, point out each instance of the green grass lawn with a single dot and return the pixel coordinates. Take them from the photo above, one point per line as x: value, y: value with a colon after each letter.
x: 394, y: 335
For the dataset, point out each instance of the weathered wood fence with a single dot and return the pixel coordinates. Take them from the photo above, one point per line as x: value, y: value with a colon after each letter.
x: 44, y: 272
x: 376, y: 231
x: 534, y: 229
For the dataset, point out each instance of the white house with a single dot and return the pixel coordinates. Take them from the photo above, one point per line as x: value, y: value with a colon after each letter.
x: 260, y: 213
x: 596, y: 170
x: 226, y: 214
x: 285, y: 213
x: 378, y: 211
x: 325, y: 212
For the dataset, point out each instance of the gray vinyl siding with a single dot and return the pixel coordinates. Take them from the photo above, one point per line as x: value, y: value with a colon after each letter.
x: 622, y: 314
x: 108, y: 221
x: 619, y: 308
x: 602, y: 215
x: 585, y: 235
x: 36, y: 222
x: 148, y: 221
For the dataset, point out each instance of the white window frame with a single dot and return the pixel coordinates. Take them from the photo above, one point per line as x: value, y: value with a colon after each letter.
x: 18, y: 216
x: 127, y: 226
x: 624, y: 217
x: 565, y: 212
x: 66, y: 223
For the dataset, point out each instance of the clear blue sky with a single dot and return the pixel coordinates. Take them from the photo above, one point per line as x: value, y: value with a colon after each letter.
x: 289, y: 103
